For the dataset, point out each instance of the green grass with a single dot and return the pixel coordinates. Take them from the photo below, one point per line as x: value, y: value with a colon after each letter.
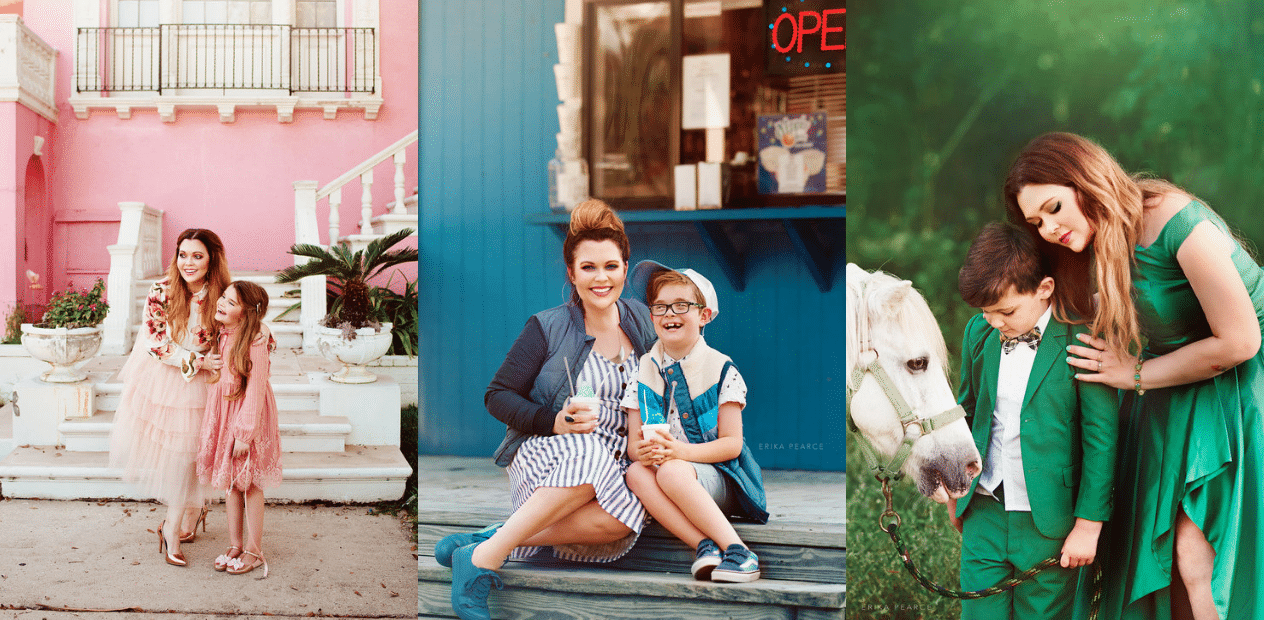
x: 878, y: 586
x: 406, y: 506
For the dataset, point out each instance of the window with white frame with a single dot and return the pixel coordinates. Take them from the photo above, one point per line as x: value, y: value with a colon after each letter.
x: 136, y: 14
x: 226, y: 11
x: 316, y: 13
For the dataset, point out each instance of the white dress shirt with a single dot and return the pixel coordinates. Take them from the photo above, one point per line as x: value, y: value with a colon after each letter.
x: 1005, y: 453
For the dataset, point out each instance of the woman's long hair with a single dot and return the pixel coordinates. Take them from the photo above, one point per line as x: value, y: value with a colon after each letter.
x: 254, y: 305
x: 593, y: 220
x: 216, y: 280
x: 1112, y: 201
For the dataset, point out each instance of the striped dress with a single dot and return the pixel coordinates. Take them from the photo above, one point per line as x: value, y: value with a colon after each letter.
x: 598, y: 458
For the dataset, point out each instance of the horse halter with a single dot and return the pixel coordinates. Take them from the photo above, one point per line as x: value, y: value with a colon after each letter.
x: 867, y: 363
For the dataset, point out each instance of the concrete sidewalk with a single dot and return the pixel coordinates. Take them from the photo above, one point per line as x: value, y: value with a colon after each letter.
x: 86, y: 556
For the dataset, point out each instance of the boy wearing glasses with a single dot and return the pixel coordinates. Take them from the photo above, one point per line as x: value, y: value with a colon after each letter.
x: 691, y: 477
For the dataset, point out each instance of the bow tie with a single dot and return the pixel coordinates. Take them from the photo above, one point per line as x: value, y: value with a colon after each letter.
x: 1031, y: 339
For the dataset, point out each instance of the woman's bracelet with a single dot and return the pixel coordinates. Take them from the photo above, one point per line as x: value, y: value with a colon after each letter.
x: 1137, y: 377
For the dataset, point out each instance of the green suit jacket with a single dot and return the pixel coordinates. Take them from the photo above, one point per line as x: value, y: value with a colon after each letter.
x: 1068, y: 429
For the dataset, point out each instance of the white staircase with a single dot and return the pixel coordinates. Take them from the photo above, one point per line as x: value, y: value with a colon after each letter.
x: 339, y: 442
x: 400, y: 213
x: 348, y: 456
x: 288, y: 331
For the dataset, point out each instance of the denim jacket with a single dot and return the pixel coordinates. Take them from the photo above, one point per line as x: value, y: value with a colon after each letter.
x: 531, y: 385
x: 694, y: 386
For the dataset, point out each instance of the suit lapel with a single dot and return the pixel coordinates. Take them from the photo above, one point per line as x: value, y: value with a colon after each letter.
x: 987, y: 389
x: 1052, y: 348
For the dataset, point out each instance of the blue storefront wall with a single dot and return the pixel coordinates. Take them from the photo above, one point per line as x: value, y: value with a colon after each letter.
x: 487, y: 124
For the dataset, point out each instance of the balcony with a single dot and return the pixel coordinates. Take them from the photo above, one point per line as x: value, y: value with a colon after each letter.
x: 226, y: 66
x: 27, y: 67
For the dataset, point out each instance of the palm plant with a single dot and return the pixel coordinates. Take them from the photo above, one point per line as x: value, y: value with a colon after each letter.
x: 350, y: 272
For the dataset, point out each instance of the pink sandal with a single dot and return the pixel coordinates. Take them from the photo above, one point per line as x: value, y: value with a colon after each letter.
x: 237, y: 567
x: 221, y: 562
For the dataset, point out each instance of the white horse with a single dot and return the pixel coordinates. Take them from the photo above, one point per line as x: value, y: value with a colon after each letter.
x: 888, y: 318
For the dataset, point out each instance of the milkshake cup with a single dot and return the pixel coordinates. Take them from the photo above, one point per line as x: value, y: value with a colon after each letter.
x: 647, y: 430
x: 592, y: 402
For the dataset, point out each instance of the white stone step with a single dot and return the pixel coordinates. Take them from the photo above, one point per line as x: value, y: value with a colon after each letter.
x: 389, y: 221
x: 276, y: 307
x: 288, y: 332
x: 301, y: 431
x: 290, y: 396
x: 266, y: 279
x: 7, y: 444
x: 288, y: 335
x: 357, y: 474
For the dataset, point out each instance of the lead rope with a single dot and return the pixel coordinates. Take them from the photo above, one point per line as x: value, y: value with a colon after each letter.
x: 892, y: 528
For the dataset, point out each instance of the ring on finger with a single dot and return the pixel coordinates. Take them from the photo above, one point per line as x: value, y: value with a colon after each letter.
x: 571, y: 419
x: 1099, y: 365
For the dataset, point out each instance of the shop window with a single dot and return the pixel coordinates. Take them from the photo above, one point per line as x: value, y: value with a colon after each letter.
x: 632, y: 100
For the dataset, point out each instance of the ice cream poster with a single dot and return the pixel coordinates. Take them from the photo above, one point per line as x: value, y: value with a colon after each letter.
x: 792, y: 151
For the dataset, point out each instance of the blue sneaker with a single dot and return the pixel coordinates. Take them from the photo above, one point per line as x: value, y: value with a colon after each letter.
x: 471, y: 585
x: 740, y: 565
x: 708, y: 557
x: 448, y: 544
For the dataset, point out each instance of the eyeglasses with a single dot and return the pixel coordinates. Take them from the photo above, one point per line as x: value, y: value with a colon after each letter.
x: 679, y: 307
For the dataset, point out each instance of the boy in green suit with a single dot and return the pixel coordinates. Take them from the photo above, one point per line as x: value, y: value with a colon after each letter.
x: 1048, y: 441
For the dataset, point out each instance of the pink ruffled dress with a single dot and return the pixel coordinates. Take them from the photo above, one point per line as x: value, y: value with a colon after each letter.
x: 251, y: 418
x: 157, y: 426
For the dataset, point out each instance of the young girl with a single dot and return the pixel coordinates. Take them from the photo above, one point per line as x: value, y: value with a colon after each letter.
x: 241, y: 447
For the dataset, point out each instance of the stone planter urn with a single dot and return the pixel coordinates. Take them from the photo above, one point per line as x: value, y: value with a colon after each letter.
x: 63, y: 348
x: 367, y: 347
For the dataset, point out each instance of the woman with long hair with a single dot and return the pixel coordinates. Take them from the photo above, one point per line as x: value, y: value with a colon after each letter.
x: 566, y: 458
x: 157, y: 425
x: 1178, y: 306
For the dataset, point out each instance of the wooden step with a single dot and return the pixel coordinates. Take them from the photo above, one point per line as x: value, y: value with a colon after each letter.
x: 301, y: 431
x: 595, y: 592
x: 787, y: 550
x: 357, y: 474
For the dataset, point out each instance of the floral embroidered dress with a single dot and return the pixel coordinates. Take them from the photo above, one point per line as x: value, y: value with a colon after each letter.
x: 156, y: 428
x: 251, y: 418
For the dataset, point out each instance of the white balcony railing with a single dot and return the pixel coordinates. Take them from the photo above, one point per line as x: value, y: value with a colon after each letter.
x: 27, y: 68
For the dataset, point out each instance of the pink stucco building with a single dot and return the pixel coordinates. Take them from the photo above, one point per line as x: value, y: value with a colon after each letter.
x: 271, y: 122
x: 210, y: 111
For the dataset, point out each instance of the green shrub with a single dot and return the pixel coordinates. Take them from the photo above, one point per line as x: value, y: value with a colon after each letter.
x: 13, y: 326
x: 72, y: 309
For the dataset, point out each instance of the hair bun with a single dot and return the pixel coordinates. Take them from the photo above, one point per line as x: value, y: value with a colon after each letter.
x: 593, y: 214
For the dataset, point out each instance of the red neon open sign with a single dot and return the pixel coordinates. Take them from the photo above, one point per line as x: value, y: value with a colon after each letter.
x: 804, y: 23
x: 805, y: 37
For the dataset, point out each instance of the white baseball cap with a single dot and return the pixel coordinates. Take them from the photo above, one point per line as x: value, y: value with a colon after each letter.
x: 646, y: 269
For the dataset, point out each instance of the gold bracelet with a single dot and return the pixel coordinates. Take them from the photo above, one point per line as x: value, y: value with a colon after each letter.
x: 1138, y: 378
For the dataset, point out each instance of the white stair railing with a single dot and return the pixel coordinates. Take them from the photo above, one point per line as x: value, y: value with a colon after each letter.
x: 137, y: 255
x: 307, y: 228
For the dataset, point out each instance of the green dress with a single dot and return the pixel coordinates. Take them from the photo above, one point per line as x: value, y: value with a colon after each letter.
x: 1195, y: 446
